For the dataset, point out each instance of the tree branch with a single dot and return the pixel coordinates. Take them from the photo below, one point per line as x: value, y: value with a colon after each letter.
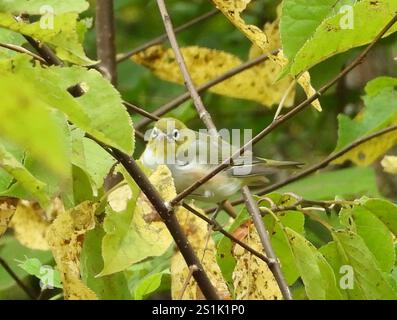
x: 124, y: 56
x: 19, y: 282
x: 273, y: 125
x: 198, y: 103
x: 20, y: 49
x: 274, y: 265
x: 165, y: 212
x: 105, y: 39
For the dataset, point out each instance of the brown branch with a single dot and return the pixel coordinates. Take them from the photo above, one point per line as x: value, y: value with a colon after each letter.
x: 273, y: 125
x: 133, y: 108
x: 124, y: 56
x: 198, y: 103
x: 165, y: 212
x: 105, y: 39
x: 20, y: 49
x: 169, y: 219
x: 19, y: 282
x: 205, y: 86
x: 274, y: 265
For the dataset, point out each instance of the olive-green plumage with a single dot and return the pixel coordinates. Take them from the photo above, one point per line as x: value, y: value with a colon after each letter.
x: 190, y: 155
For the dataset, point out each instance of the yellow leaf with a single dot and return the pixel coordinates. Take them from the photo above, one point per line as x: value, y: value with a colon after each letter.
x: 65, y: 237
x: 265, y: 42
x: 204, y: 247
x: 368, y: 152
x: 7, y: 210
x: 204, y: 64
x: 252, y: 278
x: 232, y: 10
x: 146, y: 219
x: 30, y: 225
x: 389, y: 164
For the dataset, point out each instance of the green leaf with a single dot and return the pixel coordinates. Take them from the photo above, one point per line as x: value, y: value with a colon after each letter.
x: 21, y: 107
x: 317, y: 275
x: 35, y: 7
x: 379, y: 112
x: 90, y: 157
x: 295, y: 221
x: 129, y: 238
x: 298, y: 24
x: 150, y: 284
x: 9, y: 37
x: 385, y: 210
x: 95, y: 112
x: 82, y: 189
x: 48, y: 276
x: 59, y: 32
x: 333, y: 36
x: 12, y: 251
x: 375, y: 234
x: 369, y: 281
x: 326, y: 185
x: 111, y: 287
x: 33, y: 185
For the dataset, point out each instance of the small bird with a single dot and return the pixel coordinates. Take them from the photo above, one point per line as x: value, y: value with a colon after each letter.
x: 190, y: 155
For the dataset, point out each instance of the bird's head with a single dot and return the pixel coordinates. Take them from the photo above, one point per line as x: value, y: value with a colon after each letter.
x: 167, y: 136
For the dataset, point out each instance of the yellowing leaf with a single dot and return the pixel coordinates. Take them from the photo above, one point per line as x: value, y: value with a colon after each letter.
x: 134, y: 231
x: 366, y: 153
x: 204, y: 247
x: 232, y: 10
x: 30, y: 225
x: 7, y: 210
x: 389, y: 164
x: 204, y: 64
x: 252, y: 278
x: 65, y: 237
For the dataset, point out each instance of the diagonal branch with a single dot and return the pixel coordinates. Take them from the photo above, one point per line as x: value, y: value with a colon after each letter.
x: 198, y: 103
x: 273, y: 125
x: 124, y: 56
x: 274, y: 265
x: 205, y: 86
x: 105, y: 39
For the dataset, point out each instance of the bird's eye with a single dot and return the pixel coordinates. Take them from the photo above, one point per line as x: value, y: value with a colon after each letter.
x: 155, y: 133
x: 175, y: 134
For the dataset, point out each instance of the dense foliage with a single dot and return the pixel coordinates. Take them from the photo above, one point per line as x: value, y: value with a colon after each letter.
x: 66, y: 232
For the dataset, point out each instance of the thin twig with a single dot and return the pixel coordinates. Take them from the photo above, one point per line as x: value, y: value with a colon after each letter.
x: 198, y: 103
x: 133, y: 108
x: 124, y: 56
x: 324, y: 163
x: 205, y: 86
x: 105, y: 39
x: 20, y: 49
x: 19, y: 282
x: 273, y: 125
x: 274, y: 265
x: 284, y: 98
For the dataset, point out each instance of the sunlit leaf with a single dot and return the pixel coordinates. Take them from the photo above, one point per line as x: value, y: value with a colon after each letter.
x: 58, y: 31
x: 41, y: 6
x: 133, y: 228
x: 389, y: 164
x: 337, y: 34
x: 49, y: 278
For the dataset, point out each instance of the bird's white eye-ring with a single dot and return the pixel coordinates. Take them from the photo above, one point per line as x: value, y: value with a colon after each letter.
x: 176, y: 134
x: 155, y: 133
